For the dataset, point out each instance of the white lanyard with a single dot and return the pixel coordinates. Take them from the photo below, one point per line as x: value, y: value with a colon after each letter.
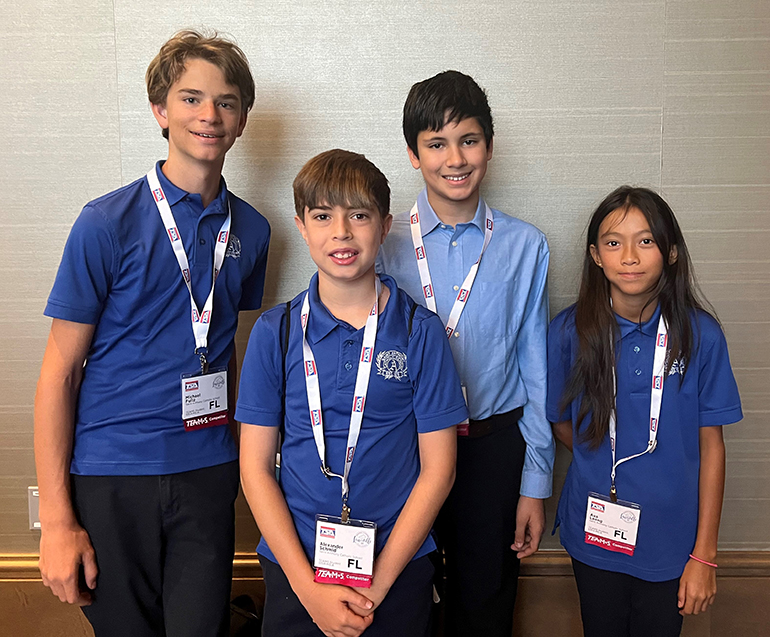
x: 359, y: 394
x: 422, y: 265
x: 656, y: 397
x: 201, y: 321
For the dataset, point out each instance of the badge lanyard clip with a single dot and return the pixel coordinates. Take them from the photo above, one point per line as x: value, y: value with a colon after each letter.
x: 201, y: 321
x: 359, y: 395
x: 656, y: 399
x: 428, y: 291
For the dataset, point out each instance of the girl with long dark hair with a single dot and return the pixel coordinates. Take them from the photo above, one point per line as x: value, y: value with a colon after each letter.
x: 639, y: 386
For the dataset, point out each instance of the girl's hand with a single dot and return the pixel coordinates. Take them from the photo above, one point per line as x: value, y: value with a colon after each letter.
x: 331, y: 608
x: 697, y: 588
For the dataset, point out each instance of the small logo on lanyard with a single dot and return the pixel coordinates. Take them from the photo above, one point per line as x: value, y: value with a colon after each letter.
x: 490, y: 224
x: 315, y: 414
x: 195, y: 315
x: 662, y: 340
x: 158, y: 194
x: 358, y: 404
x: 420, y: 251
x: 186, y: 275
x: 366, y: 355
x: 173, y: 234
x: 657, y: 382
x: 449, y: 331
x: 351, y: 451
x: 223, y: 236
x: 427, y: 290
x: 462, y: 296
x: 653, y: 424
x: 414, y: 219
x: 310, y: 369
x: 205, y: 316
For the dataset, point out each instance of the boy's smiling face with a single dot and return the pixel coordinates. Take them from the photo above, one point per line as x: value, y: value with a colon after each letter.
x: 343, y: 241
x: 453, y: 162
x: 202, y: 113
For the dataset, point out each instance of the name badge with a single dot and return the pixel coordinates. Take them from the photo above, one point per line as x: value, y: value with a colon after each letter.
x: 612, y: 525
x: 464, y: 427
x: 344, y: 552
x: 204, y: 400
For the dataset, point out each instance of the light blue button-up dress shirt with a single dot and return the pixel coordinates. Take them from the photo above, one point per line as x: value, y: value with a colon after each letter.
x: 499, y: 345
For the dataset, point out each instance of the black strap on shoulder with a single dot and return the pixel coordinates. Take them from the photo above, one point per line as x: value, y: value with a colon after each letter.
x: 411, y: 318
x: 284, y: 351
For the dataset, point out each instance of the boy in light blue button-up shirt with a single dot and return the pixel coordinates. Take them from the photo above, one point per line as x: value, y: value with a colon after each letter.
x: 494, y: 515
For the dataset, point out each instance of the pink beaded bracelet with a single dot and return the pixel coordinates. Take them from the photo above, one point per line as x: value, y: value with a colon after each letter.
x: 697, y: 559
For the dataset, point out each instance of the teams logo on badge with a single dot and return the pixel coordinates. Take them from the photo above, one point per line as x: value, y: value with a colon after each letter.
x: 358, y: 404
x: 191, y: 385
x: 173, y: 234
x: 223, y: 236
x: 657, y: 382
x: 326, y: 531
x: 158, y: 194
x: 392, y: 364
x: 420, y: 250
x: 628, y: 516
x: 366, y: 355
x: 414, y: 219
x: 427, y: 290
x: 351, y: 451
x: 315, y: 417
x: 597, y: 506
x: 205, y: 316
x: 653, y: 424
x: 662, y: 340
x: 462, y: 297
x: 309, y: 368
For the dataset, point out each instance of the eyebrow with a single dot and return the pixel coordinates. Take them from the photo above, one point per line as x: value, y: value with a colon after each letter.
x: 196, y: 92
x: 439, y: 138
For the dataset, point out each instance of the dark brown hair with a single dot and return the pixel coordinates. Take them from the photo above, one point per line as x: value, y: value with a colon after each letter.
x: 597, y: 329
x: 341, y: 178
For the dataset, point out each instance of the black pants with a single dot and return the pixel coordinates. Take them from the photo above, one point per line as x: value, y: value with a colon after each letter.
x: 405, y: 612
x: 476, y: 528
x: 164, y: 547
x: 619, y: 605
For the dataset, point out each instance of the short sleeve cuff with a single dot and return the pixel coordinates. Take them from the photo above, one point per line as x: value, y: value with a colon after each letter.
x: 536, y: 485
x: 253, y: 416
x: 443, y: 420
x: 57, y: 310
x: 721, y: 417
x: 554, y: 415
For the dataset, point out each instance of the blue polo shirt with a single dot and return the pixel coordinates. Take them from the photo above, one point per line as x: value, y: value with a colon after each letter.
x: 118, y: 272
x: 664, y: 483
x: 413, y: 389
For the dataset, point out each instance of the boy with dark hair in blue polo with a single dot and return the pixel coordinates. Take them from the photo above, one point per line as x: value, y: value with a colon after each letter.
x: 362, y: 381
x: 136, y: 465
x: 484, y: 273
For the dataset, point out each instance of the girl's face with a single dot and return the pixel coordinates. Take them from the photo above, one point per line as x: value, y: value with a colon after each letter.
x: 631, y: 259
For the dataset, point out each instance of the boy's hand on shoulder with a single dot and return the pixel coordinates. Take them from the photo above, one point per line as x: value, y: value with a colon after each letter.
x: 530, y: 524
x: 337, y: 610
x: 697, y: 588
x: 62, y: 551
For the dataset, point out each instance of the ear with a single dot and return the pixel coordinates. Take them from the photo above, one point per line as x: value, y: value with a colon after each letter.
x: 242, y: 124
x: 159, y: 111
x: 595, y: 255
x: 301, y: 225
x: 413, y: 158
x: 387, y: 222
x: 673, y: 255
x: 489, y: 149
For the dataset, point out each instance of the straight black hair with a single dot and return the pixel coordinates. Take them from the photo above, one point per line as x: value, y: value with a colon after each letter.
x: 450, y: 96
x: 675, y: 291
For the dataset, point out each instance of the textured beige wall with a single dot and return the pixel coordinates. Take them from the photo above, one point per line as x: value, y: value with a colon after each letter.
x: 587, y: 95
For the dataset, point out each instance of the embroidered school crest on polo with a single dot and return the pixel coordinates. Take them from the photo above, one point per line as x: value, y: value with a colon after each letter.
x: 233, y: 247
x: 392, y: 364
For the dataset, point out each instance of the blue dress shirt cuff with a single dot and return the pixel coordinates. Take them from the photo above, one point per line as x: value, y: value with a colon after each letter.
x: 535, y: 484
